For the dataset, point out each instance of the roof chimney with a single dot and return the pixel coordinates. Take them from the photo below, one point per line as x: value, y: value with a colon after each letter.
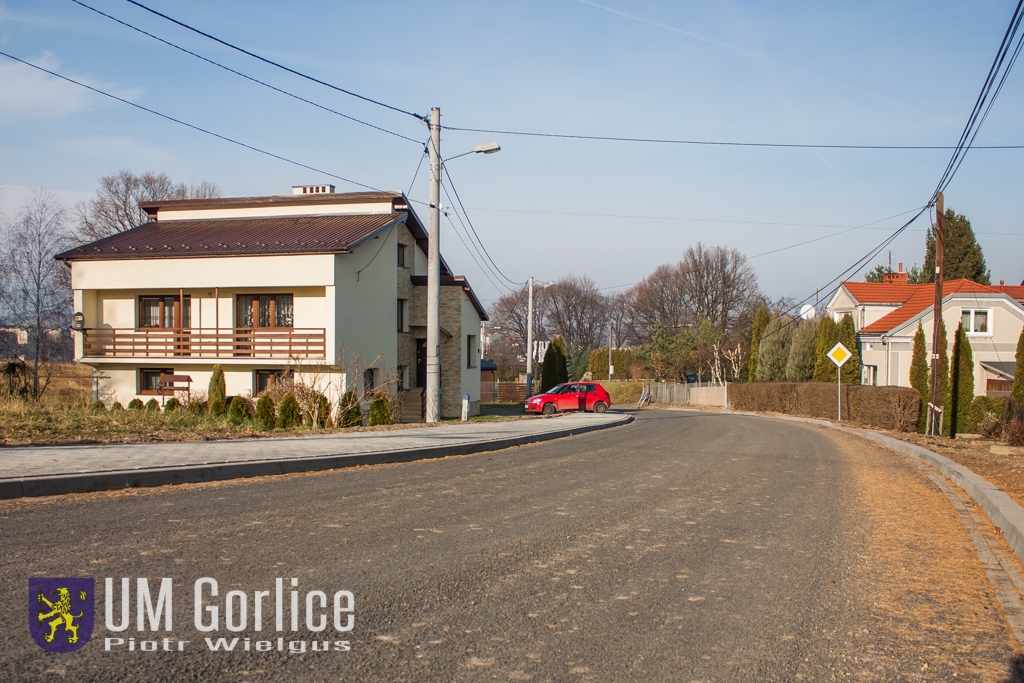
x: 899, y: 276
x: 312, y: 189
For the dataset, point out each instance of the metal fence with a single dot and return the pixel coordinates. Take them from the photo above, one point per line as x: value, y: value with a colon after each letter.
x: 689, y: 394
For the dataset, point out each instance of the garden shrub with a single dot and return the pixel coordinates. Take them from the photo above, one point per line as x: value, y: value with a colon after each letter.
x: 322, y: 408
x: 115, y: 406
x: 98, y: 407
x: 218, y: 408
x: 173, y: 405
x: 218, y: 387
x: 195, y: 408
x: 265, y: 418
x: 985, y: 416
x: 152, y: 406
x: 893, y: 408
x: 288, y: 414
x: 135, y: 404
x: 380, y: 410
x: 238, y: 411
x: 349, y: 413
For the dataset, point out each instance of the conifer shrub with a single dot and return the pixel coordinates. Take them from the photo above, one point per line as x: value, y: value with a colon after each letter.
x: 828, y: 335
x: 135, y: 404
x: 920, y: 378
x: 318, y: 414
x: 265, y: 418
x: 1018, y: 372
x: 554, y: 370
x: 238, y: 411
x: 116, y: 406
x: 288, y: 414
x: 218, y: 386
x: 985, y: 415
x: 173, y: 405
x: 349, y: 414
x: 773, y: 351
x: 97, y: 407
x: 218, y: 408
x: 380, y: 410
x: 195, y: 409
x: 800, y: 365
x: 152, y: 406
x: 761, y: 319
x: 851, y: 369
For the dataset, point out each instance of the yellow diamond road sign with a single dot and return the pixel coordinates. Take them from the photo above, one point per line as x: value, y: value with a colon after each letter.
x: 839, y: 354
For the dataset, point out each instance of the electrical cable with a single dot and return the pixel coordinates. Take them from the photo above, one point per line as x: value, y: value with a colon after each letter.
x: 239, y: 73
x: 417, y: 173
x: 712, y: 143
x: 484, y: 266
x: 497, y: 285
x: 190, y: 125
x: 275, y: 64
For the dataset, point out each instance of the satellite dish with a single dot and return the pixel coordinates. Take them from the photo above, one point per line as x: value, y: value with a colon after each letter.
x: 807, y: 312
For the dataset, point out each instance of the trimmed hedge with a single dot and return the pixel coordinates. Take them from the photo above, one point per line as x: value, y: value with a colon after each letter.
x: 894, y: 408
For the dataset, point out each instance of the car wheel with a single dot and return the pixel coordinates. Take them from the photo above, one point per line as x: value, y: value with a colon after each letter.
x: 549, y: 409
x: 600, y: 407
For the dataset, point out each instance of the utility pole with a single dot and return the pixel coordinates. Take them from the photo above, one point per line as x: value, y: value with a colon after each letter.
x: 935, y: 411
x: 434, y: 273
x: 611, y: 368
x: 529, y: 342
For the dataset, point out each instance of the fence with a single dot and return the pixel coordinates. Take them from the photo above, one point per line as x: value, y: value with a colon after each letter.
x: 502, y: 392
x: 689, y: 394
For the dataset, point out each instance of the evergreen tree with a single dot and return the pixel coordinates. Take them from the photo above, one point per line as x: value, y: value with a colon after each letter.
x: 848, y: 336
x: 288, y: 414
x: 920, y: 377
x: 554, y: 370
x: 828, y: 335
x: 218, y: 408
x: 962, y: 253
x: 238, y: 411
x: 349, y: 414
x: 380, y: 410
x: 172, y: 405
x: 318, y: 413
x: 945, y: 394
x: 773, y: 351
x: 265, y: 418
x: 761, y: 318
x: 800, y: 367
x: 218, y: 388
x: 152, y: 406
x: 135, y: 404
x: 576, y: 362
x: 962, y: 381
x: 1018, y: 372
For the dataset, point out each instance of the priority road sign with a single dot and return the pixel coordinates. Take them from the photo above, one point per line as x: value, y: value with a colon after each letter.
x: 839, y: 354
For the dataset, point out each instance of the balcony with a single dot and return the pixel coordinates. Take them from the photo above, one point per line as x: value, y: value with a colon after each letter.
x: 162, y: 342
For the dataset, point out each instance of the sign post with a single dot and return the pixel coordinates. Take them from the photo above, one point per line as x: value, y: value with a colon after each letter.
x: 839, y: 355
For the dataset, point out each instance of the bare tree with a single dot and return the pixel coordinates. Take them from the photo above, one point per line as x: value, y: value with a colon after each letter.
x: 39, y: 298
x: 577, y: 310
x: 719, y: 283
x: 117, y: 204
x: 661, y: 298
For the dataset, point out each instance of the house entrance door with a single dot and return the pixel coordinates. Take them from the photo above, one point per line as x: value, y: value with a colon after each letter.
x: 421, y: 363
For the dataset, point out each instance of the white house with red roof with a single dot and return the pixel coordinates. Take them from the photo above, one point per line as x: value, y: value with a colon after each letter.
x: 887, y: 315
x: 328, y: 288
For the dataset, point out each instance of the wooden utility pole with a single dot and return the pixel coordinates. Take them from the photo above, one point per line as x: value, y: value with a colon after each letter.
x: 935, y: 410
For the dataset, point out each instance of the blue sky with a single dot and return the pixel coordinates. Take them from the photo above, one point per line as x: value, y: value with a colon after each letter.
x: 902, y: 73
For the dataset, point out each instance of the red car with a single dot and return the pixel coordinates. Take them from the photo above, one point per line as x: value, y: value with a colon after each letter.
x: 581, y: 396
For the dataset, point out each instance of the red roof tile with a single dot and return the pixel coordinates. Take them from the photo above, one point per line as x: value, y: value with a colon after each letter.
x: 923, y: 299
x: 882, y: 292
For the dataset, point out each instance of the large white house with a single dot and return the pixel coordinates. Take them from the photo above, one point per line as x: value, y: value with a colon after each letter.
x: 329, y: 288
x: 887, y: 314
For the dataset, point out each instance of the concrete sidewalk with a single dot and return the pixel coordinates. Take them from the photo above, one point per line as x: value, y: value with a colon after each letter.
x: 51, y: 470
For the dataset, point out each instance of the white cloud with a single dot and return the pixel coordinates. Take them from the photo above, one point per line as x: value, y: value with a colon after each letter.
x: 30, y: 93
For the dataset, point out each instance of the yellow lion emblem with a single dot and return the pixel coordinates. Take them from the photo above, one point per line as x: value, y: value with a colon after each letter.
x: 61, y: 610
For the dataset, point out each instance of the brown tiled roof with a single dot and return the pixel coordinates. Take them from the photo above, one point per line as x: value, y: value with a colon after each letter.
x: 454, y: 281
x: 237, y: 237
x: 922, y: 300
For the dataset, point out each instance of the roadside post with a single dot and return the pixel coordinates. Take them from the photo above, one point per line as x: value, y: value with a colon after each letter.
x: 465, y: 407
x: 839, y: 355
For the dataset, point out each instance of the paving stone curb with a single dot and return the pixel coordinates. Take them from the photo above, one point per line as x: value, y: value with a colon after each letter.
x: 1001, y: 510
x: 125, y: 479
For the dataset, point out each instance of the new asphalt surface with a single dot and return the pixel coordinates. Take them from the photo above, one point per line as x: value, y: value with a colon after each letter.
x: 683, y: 547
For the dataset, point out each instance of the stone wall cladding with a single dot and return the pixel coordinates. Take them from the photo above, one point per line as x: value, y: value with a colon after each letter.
x: 451, y: 352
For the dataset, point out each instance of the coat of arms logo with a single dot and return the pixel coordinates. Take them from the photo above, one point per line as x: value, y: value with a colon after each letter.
x: 61, y: 613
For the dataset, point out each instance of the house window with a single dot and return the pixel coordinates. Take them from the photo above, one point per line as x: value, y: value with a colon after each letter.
x: 401, y: 315
x: 265, y: 310
x: 871, y: 375
x: 401, y: 256
x: 470, y: 350
x: 149, y: 379
x: 975, y: 321
x: 165, y: 311
x: 367, y: 381
x: 267, y: 379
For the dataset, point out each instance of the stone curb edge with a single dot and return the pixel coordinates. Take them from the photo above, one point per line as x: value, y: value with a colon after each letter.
x: 1001, y: 510
x: 191, y: 474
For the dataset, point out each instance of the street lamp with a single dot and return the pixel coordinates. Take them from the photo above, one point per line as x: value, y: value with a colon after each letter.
x: 529, y: 338
x: 434, y: 262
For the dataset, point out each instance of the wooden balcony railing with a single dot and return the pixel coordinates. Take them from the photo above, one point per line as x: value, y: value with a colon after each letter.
x: 162, y: 342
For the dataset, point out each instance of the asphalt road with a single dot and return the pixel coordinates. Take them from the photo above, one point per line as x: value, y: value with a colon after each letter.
x: 684, y: 547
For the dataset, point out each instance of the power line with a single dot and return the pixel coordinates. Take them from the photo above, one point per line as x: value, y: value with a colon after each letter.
x: 712, y: 143
x: 190, y: 125
x: 825, y: 237
x: 242, y: 75
x: 497, y: 285
x: 275, y: 64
